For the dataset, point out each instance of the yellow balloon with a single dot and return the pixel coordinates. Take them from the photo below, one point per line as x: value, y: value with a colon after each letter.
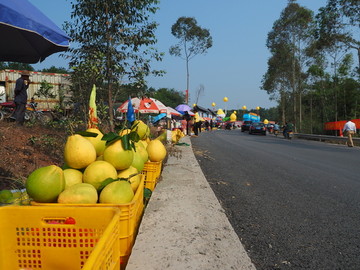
x: 244, y: 107
x: 213, y: 104
x: 194, y: 105
x: 225, y: 99
x: 257, y: 108
x: 235, y: 112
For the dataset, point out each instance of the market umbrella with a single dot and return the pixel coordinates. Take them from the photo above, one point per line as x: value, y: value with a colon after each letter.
x: 173, y: 111
x: 183, y: 108
x: 27, y: 35
x: 144, y: 105
x: 158, y: 117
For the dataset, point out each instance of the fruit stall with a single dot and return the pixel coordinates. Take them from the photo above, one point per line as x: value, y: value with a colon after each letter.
x: 66, y: 217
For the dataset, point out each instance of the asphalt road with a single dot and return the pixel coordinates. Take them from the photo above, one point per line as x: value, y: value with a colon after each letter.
x: 294, y: 204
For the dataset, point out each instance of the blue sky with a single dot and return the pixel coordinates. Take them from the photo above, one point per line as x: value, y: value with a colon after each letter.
x: 232, y: 68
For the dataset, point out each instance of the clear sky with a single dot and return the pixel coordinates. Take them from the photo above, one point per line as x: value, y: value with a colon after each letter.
x: 232, y: 68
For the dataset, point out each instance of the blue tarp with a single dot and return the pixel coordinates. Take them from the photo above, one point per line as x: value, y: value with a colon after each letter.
x: 27, y: 35
x: 158, y: 117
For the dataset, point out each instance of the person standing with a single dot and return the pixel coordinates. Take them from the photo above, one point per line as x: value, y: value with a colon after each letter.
x: 197, y: 123
x: 187, y: 118
x: 350, y: 129
x: 20, y: 97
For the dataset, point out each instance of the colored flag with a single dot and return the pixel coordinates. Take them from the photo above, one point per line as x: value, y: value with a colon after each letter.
x: 130, y: 115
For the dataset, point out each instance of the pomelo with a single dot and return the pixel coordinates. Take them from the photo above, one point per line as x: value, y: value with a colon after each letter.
x: 156, y: 150
x: 116, y: 155
x: 79, y: 152
x: 117, y: 192
x: 141, y: 129
x: 135, y: 180
x: 141, y: 149
x: 138, y: 161
x: 72, y: 177
x: 45, y: 184
x: 98, y: 144
x: 97, y: 172
x: 81, y: 193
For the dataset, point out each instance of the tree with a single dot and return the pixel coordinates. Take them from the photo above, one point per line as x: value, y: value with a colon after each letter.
x: 170, y: 97
x: 54, y: 69
x: 339, y: 23
x: 193, y: 40
x: 291, y: 34
x: 16, y: 66
x: 115, y: 43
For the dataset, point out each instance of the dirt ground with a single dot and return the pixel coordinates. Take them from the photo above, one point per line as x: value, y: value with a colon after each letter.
x: 26, y: 148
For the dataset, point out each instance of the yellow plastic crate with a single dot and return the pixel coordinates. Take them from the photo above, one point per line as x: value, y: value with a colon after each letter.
x: 151, y: 171
x: 59, y: 238
x: 130, y: 217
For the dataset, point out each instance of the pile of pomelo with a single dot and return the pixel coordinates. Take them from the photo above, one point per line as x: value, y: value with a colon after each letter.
x: 97, y: 170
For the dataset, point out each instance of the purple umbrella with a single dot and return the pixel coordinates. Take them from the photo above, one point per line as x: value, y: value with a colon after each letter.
x: 183, y: 108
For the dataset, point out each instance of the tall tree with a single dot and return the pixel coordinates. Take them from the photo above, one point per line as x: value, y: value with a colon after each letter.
x: 193, y: 40
x: 339, y: 22
x: 293, y: 32
x: 115, y: 41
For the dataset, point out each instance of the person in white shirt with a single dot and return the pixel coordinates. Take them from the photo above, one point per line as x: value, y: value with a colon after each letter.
x: 350, y: 129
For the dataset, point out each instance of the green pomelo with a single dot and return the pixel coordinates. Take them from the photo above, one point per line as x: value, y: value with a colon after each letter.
x: 72, y: 177
x: 116, y: 155
x: 138, y: 161
x: 6, y: 196
x: 135, y: 180
x: 139, y: 146
x: 45, y: 184
x: 97, y: 172
x: 82, y: 193
x: 117, y: 192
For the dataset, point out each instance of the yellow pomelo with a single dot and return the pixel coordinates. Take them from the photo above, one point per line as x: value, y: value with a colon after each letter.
x: 156, y: 151
x: 72, y: 177
x: 141, y: 149
x: 117, y: 192
x: 98, y: 144
x: 79, y: 152
x: 97, y: 172
x: 124, y: 131
x: 138, y: 161
x: 45, y: 184
x: 135, y: 180
x: 141, y: 129
x: 116, y: 155
x: 81, y: 193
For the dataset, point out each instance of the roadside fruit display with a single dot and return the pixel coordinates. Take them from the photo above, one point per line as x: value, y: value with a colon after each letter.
x: 97, y: 168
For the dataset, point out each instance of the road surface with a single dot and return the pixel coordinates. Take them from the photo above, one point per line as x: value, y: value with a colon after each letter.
x: 294, y: 204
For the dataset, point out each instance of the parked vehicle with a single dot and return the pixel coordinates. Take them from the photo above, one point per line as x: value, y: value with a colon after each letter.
x: 257, y: 128
x: 246, y: 126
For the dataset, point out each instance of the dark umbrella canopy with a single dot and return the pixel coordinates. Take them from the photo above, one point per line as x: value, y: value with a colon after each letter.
x: 27, y: 35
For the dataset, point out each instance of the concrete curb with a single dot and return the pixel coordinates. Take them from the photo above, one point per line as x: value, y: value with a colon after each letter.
x: 184, y: 225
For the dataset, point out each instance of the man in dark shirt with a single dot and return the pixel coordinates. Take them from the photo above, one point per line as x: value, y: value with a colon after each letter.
x: 22, y: 84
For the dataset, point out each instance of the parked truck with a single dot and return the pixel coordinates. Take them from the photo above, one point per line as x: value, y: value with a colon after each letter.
x: 60, y: 87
